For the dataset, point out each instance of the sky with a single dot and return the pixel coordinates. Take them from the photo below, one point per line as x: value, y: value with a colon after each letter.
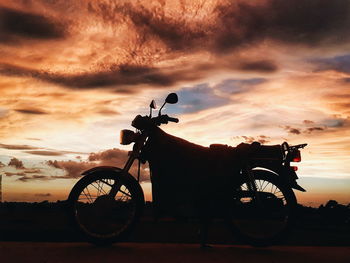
x: 74, y: 73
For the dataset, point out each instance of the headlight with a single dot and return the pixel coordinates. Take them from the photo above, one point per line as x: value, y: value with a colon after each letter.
x: 127, y: 137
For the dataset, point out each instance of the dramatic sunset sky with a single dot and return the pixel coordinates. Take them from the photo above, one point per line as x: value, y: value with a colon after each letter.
x: 73, y: 73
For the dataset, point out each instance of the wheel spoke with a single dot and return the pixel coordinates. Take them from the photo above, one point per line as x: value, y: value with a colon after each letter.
x: 88, y: 197
x: 87, y: 189
x: 107, y: 183
x: 267, y: 183
x: 127, y: 194
x: 99, y: 188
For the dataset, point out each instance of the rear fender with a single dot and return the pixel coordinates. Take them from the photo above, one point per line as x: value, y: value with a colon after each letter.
x: 287, y: 175
x: 292, y: 178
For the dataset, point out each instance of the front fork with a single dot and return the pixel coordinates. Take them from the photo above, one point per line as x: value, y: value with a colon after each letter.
x: 134, y: 154
x: 118, y: 183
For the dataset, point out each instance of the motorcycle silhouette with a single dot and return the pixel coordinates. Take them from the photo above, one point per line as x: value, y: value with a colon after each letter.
x: 249, y: 186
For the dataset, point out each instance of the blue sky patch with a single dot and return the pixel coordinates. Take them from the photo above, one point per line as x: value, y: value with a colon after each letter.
x: 202, y: 96
x: 197, y: 98
x: 338, y: 63
x: 237, y: 86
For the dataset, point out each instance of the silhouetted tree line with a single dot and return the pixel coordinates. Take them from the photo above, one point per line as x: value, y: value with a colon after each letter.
x: 34, y: 206
x: 330, y: 213
x: 334, y: 212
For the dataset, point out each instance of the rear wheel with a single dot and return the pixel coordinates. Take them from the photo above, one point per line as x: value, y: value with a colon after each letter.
x: 100, y: 217
x: 263, y: 218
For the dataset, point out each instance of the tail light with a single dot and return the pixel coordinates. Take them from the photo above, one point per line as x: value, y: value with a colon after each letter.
x: 296, y: 157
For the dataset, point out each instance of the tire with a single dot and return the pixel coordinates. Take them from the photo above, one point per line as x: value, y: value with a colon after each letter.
x: 269, y: 222
x: 102, y: 219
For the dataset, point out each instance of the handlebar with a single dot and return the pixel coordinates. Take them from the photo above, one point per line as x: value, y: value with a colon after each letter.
x: 144, y: 122
x: 171, y: 119
x: 164, y: 119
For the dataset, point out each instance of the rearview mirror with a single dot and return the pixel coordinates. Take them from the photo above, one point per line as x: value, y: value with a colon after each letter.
x: 153, y: 104
x: 171, y: 98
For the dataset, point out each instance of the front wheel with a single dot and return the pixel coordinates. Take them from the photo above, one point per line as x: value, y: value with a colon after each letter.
x: 263, y: 217
x: 101, y: 217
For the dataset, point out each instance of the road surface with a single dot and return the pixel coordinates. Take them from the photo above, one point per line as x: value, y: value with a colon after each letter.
x: 166, y: 253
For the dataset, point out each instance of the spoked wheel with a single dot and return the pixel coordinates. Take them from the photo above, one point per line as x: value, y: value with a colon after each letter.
x: 102, y: 217
x: 263, y: 218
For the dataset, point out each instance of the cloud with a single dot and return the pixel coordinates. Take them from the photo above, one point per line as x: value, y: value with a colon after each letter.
x: 177, y: 33
x: 329, y: 125
x: 109, y: 156
x: 312, y: 129
x: 153, y: 44
x: 250, y: 139
x: 16, y: 23
x: 72, y: 169
x: 308, y: 23
x: 120, y: 75
x: 308, y: 122
x: 292, y: 130
x: 16, y: 163
x: 31, y: 111
x: 15, y: 174
x: 265, y: 66
x: 128, y: 77
x: 112, y: 157
x: 108, y: 112
x: 37, y: 150
x: 299, y: 131
x: 32, y: 170
x: 26, y: 174
x: 17, y: 147
x: 24, y: 171
x: 46, y: 153
x: 230, y: 25
x: 35, y: 177
x: 43, y: 195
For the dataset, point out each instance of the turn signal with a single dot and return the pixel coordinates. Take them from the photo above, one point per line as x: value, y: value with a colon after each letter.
x: 295, y: 168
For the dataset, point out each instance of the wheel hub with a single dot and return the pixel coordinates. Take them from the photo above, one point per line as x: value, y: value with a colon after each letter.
x: 103, y: 204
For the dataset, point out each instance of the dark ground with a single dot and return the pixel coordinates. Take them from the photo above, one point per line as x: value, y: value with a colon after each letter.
x: 47, y: 222
x: 29, y: 252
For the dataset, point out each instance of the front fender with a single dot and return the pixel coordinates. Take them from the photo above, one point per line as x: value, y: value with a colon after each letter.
x: 102, y: 169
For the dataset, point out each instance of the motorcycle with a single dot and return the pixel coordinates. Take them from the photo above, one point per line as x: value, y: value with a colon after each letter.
x: 250, y: 186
